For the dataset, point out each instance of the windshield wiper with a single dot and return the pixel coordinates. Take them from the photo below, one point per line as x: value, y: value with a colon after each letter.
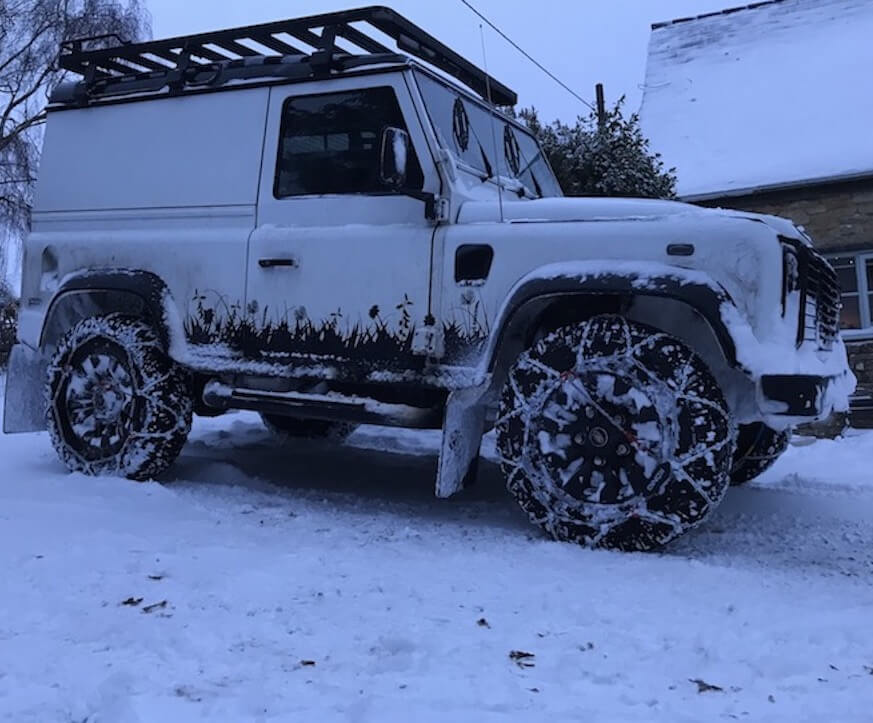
x: 533, y: 160
x: 488, y: 167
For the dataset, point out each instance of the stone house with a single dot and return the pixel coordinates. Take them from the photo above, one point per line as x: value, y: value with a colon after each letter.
x: 769, y: 108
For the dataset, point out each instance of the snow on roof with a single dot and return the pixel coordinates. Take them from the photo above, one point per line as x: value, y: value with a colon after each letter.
x: 767, y: 95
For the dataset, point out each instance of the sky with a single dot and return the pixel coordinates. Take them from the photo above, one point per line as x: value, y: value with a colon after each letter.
x: 583, y: 42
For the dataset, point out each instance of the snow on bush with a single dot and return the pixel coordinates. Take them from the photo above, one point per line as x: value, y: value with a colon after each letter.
x: 8, y: 323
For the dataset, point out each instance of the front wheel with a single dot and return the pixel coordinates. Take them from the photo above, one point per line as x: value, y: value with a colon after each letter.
x: 614, y: 434
x: 117, y: 404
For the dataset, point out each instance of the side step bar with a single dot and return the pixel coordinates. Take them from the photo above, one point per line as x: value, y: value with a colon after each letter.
x: 331, y: 407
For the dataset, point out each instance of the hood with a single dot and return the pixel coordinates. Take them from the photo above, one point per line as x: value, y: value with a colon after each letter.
x: 566, y: 209
x: 545, y: 210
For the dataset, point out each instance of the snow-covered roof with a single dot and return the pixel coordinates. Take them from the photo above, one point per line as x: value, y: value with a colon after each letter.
x: 773, y: 94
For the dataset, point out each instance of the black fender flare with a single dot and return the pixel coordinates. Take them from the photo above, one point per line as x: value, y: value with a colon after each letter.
x: 114, y: 290
x: 688, y: 286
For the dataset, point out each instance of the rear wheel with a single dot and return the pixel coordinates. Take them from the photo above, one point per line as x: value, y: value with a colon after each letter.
x: 758, y: 447
x: 117, y: 404
x: 614, y: 434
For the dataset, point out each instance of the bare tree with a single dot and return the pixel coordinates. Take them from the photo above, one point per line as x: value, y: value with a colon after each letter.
x: 31, y: 32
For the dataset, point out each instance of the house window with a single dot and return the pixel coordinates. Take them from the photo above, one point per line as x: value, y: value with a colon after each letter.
x: 855, y: 275
x: 330, y: 144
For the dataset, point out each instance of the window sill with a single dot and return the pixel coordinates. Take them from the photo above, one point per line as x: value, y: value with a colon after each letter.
x: 857, y: 334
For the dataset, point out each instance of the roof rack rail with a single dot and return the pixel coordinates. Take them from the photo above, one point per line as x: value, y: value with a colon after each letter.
x: 315, y: 37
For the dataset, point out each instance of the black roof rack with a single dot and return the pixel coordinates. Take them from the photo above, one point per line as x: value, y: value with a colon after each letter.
x: 329, y: 42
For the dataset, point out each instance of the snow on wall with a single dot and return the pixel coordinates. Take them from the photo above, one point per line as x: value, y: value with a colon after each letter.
x: 771, y: 94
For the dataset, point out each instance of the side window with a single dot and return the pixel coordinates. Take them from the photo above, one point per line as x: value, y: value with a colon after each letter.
x: 331, y: 143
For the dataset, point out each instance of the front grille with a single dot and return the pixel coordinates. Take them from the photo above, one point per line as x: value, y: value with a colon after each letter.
x: 819, y: 300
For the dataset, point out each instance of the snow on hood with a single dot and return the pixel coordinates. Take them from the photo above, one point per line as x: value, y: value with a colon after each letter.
x: 566, y: 209
x: 571, y: 209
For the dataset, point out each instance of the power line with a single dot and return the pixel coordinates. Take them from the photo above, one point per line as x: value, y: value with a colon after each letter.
x: 528, y: 56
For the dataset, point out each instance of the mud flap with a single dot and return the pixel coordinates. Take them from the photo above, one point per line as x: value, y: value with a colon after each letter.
x: 463, y: 426
x: 24, y: 408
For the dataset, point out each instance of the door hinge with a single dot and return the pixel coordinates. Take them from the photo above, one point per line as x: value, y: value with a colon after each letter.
x: 441, y: 210
x: 429, y: 341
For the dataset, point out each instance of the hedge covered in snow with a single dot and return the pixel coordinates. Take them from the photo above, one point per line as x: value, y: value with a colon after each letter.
x: 8, y: 326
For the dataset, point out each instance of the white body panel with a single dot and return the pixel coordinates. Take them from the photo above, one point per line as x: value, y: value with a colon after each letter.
x: 361, y: 263
x: 183, y: 188
x: 168, y: 153
x: 195, y: 251
x: 168, y: 187
x: 737, y: 252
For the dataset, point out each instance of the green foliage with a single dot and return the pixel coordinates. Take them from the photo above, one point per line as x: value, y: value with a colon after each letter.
x: 608, y: 159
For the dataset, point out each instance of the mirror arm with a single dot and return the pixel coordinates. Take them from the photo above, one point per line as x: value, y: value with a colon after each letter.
x: 429, y: 200
x: 431, y: 210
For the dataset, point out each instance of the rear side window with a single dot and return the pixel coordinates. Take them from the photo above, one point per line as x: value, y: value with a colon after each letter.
x: 331, y: 144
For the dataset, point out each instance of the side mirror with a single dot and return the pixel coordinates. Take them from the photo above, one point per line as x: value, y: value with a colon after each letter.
x: 394, y: 157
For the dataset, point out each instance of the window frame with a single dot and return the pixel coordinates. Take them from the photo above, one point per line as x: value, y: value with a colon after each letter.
x: 863, y: 291
x: 413, y: 154
x: 444, y: 143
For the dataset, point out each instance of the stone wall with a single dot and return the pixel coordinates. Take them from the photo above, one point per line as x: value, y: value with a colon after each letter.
x: 861, y: 361
x: 838, y: 216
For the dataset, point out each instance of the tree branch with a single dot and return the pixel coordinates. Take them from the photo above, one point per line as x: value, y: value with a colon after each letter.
x: 38, y: 33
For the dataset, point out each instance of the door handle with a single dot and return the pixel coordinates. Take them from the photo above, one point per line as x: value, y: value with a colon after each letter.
x: 290, y: 262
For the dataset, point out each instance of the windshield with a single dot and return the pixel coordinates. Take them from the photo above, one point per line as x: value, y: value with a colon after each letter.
x: 464, y: 127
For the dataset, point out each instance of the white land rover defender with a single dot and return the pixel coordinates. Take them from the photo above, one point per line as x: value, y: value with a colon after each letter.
x: 297, y: 219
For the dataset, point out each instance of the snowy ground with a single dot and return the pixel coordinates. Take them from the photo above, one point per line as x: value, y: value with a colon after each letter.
x: 263, y: 583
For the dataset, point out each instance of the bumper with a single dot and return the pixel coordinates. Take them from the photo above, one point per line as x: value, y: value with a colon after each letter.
x: 802, y: 396
x: 24, y: 403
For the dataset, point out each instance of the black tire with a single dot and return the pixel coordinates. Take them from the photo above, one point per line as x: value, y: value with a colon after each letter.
x: 288, y: 429
x: 614, y: 434
x: 758, y: 447
x: 117, y: 404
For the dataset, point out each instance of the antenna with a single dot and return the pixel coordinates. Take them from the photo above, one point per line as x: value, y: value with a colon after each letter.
x: 493, y: 125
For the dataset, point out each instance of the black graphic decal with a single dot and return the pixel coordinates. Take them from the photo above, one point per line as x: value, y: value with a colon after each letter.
x: 261, y: 334
x: 460, y: 125
x: 468, y: 331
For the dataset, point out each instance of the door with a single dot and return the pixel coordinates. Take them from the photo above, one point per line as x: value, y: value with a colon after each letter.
x: 339, y: 264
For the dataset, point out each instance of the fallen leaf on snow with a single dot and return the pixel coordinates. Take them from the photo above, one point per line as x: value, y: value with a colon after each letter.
x: 482, y: 623
x: 132, y: 601
x: 307, y: 662
x: 154, y: 606
x: 185, y: 692
x: 521, y: 658
x: 704, y: 687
